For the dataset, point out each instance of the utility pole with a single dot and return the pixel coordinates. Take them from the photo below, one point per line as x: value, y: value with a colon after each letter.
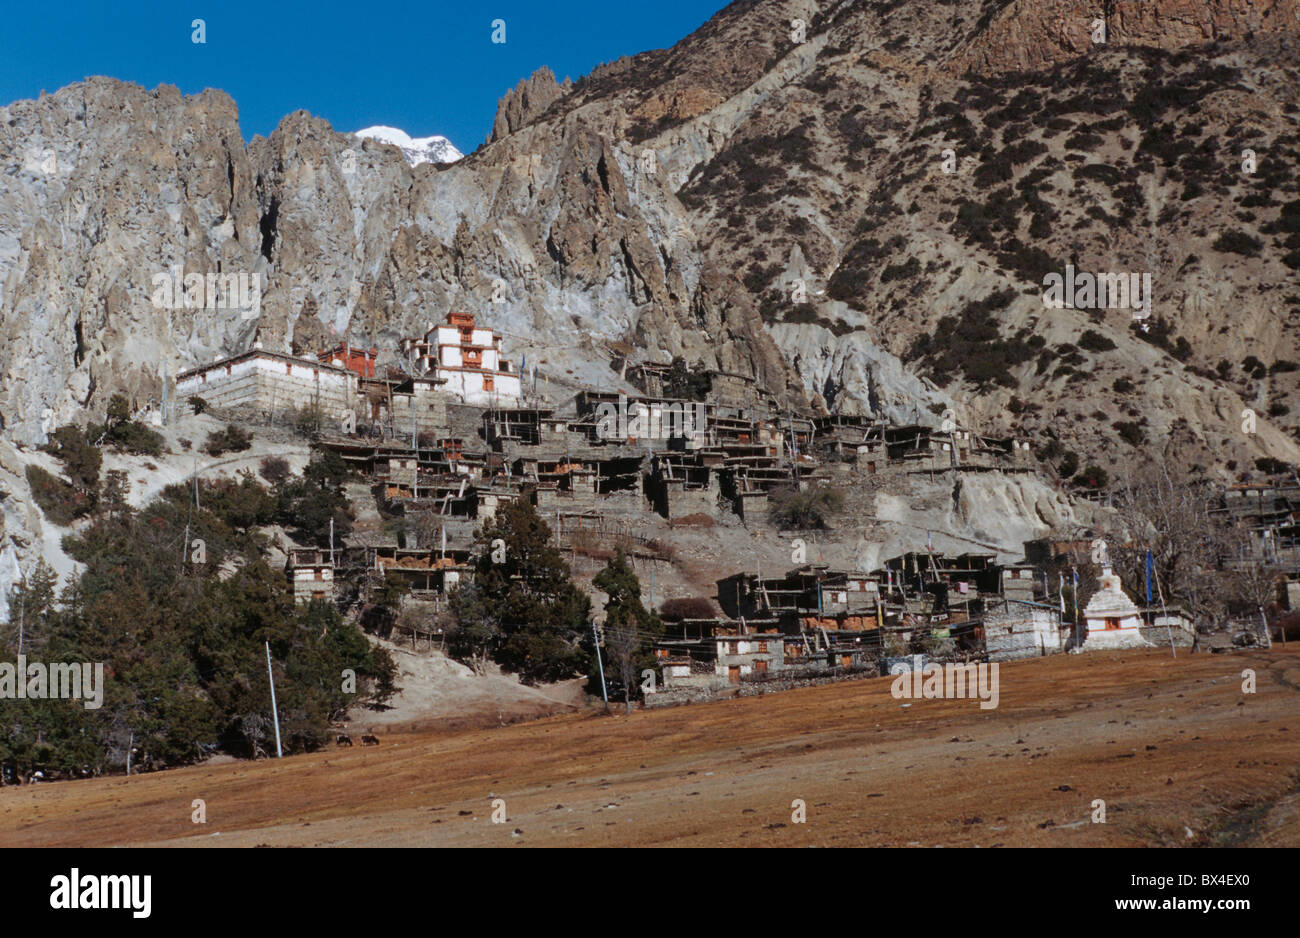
x: 185, y: 545
x: 603, y: 692
x: 1074, y: 583
x: 1165, y: 611
x: 22, y: 617
x: 274, y: 713
x: 794, y: 446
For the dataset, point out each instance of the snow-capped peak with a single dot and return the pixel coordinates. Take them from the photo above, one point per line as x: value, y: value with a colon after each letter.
x: 417, y: 150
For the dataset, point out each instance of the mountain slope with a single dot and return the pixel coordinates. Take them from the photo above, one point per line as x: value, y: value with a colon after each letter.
x: 762, y: 197
x: 896, y: 287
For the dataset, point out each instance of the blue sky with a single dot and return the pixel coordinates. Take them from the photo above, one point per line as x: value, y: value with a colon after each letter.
x: 426, y: 67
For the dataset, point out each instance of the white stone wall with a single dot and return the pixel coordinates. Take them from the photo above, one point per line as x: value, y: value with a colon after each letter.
x: 427, y: 407
x: 1128, y: 635
x: 267, y: 382
x: 307, y: 585
x: 468, y: 386
x: 1021, y: 631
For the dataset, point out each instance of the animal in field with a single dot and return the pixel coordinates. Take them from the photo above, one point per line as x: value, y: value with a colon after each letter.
x: 343, y: 740
x: 370, y: 739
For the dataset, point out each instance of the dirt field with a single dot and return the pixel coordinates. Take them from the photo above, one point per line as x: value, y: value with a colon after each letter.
x: 1177, y: 751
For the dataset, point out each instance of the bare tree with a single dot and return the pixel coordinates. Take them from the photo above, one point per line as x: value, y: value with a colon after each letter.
x: 623, y: 646
x: 1250, y: 588
x: 1200, y: 557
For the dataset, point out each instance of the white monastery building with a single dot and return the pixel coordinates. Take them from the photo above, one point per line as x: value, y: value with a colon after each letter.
x: 466, y: 360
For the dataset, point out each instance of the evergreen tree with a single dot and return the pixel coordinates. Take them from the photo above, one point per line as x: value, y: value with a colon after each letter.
x: 180, y: 637
x: 307, y: 505
x: 630, y: 629
x: 523, y: 610
x: 81, y: 459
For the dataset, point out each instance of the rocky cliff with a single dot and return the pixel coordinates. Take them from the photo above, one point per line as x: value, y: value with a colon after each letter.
x: 552, y: 231
x: 1024, y: 35
x: 855, y: 202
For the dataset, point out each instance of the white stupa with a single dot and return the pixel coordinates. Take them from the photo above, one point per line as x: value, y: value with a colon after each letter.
x: 1113, y: 619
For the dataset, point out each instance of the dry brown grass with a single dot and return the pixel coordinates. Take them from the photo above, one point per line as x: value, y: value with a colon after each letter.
x: 1169, y: 745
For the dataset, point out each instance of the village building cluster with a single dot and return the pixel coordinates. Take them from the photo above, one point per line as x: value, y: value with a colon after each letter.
x: 452, y: 431
x: 814, y: 623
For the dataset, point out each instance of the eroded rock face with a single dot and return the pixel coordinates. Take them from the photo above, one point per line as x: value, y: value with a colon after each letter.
x: 824, y: 184
x: 680, y: 105
x: 526, y: 101
x: 553, y: 231
x: 1032, y: 34
x: 108, y: 187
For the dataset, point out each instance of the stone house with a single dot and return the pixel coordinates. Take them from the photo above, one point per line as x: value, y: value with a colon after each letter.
x: 271, y: 381
x: 1020, y: 628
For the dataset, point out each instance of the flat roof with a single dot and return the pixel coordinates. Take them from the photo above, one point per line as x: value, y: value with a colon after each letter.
x: 264, y: 353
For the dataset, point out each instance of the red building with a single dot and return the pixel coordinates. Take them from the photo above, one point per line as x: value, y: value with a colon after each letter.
x: 359, y: 360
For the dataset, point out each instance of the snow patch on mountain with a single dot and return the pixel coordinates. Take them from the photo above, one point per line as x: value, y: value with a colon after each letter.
x: 417, y: 150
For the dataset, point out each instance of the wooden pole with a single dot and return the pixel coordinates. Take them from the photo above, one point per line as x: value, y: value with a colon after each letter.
x: 1164, y: 609
x: 274, y: 712
x: 600, y: 664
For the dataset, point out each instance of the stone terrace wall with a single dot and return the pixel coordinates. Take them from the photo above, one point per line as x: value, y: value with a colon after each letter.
x: 273, y: 384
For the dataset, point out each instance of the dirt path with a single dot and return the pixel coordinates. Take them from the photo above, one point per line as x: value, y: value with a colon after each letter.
x: 1170, y: 746
x: 438, y: 694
